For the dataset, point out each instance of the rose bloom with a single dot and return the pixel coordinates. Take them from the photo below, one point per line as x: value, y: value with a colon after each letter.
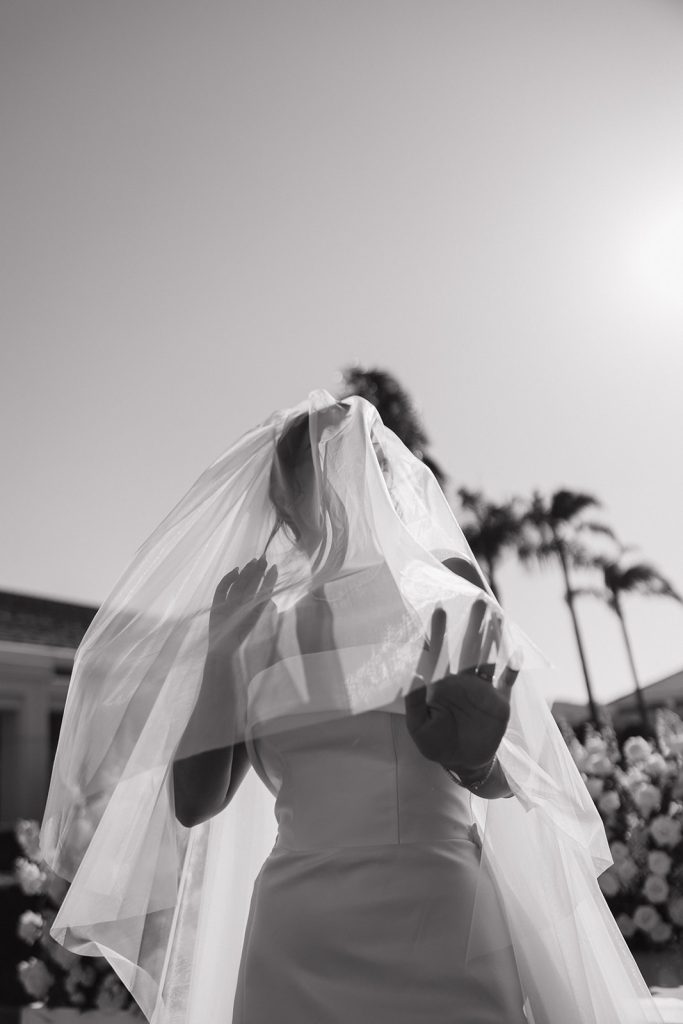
x: 658, y: 862
x: 35, y: 977
x: 27, y: 833
x: 646, y: 918
x: 636, y: 749
x: 627, y: 870
x: 676, y: 910
x: 626, y: 925
x: 619, y: 851
x: 647, y: 798
x: 609, y: 883
x: 661, y: 932
x: 598, y: 764
x: 29, y: 876
x: 656, y: 765
x: 633, y: 778
x: 30, y: 927
x: 665, y: 831
x: 609, y: 802
x: 656, y: 889
x: 595, y: 745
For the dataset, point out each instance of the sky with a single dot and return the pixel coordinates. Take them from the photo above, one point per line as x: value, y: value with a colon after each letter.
x: 209, y: 209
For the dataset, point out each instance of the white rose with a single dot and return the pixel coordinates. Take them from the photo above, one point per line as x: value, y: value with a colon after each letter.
x: 647, y: 798
x: 595, y: 744
x: 675, y: 743
x: 609, y: 802
x: 665, y: 831
x: 30, y: 927
x: 656, y: 889
x: 594, y: 787
x: 627, y: 870
x: 636, y: 749
x: 646, y: 918
x: 609, y: 883
x: 658, y: 862
x: 27, y: 833
x: 676, y: 910
x: 626, y: 925
x: 618, y: 850
x: 29, y: 876
x: 35, y: 977
x: 656, y: 765
x: 661, y: 932
x: 633, y: 778
x: 598, y: 764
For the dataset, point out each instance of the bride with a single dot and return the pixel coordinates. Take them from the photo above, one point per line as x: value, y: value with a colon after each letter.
x: 436, y: 852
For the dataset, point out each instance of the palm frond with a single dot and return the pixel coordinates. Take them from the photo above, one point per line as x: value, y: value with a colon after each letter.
x: 644, y: 578
x: 565, y: 505
x: 596, y: 527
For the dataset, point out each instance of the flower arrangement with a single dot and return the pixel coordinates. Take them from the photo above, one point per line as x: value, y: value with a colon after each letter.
x: 54, y: 976
x: 638, y: 790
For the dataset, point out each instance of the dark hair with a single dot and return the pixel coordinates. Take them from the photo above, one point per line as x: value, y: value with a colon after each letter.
x: 292, y: 449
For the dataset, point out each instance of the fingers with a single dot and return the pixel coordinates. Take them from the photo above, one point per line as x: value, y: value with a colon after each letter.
x: 245, y: 583
x: 509, y: 674
x: 224, y: 585
x: 431, y: 650
x: 470, y: 652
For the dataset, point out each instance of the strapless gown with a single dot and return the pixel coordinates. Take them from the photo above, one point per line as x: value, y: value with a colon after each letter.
x: 361, y: 913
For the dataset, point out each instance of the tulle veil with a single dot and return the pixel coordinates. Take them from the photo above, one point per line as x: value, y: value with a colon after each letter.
x: 167, y: 904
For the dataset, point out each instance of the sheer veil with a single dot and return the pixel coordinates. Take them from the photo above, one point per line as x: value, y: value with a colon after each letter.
x: 167, y: 904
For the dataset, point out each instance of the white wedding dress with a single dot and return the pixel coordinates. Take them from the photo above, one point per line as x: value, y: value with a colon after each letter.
x: 362, y: 911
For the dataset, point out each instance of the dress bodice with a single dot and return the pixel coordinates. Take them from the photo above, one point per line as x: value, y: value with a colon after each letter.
x: 357, y: 780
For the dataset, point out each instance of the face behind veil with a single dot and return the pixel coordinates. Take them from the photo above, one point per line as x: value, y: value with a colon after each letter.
x: 336, y: 505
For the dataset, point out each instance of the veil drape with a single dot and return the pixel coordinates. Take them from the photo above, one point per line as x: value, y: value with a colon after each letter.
x: 167, y: 904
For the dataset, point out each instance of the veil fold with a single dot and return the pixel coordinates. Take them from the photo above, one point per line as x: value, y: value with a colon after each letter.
x: 167, y: 904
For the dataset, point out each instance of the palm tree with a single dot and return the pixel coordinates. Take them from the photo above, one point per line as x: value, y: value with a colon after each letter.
x: 620, y: 578
x: 554, y: 533
x: 395, y: 407
x: 492, y: 530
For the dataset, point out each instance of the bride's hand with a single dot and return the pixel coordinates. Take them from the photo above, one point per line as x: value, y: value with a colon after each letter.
x: 462, y: 720
x: 239, y: 601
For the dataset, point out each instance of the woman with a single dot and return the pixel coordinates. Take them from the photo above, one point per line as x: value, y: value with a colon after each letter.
x: 309, y: 663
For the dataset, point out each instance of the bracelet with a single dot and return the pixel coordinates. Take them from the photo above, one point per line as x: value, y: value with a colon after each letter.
x: 477, y: 783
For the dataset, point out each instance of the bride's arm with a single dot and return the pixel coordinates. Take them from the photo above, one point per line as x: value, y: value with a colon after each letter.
x: 206, y: 769
x: 204, y: 781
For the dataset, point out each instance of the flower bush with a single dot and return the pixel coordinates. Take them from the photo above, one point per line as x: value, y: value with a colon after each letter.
x: 638, y: 790
x: 52, y: 975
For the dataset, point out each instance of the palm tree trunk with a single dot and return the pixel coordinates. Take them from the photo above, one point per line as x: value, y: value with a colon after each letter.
x: 569, y: 597
x: 640, y: 700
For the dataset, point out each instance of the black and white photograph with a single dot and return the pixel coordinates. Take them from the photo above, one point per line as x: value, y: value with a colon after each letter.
x: 341, y: 588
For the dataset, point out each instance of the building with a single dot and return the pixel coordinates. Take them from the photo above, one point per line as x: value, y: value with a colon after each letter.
x: 38, y: 641
x: 664, y: 693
